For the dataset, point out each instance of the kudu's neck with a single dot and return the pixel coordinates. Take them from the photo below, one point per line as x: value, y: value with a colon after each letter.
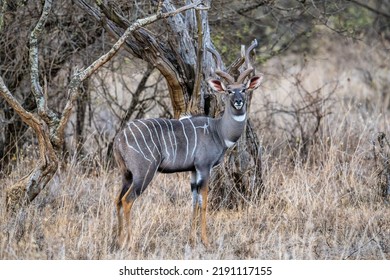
x: 231, y: 125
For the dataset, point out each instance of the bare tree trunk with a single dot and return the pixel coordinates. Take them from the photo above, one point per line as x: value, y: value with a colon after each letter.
x: 176, y: 58
x: 27, y: 188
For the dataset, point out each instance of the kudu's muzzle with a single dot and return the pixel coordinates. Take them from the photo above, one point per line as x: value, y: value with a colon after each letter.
x: 238, y: 100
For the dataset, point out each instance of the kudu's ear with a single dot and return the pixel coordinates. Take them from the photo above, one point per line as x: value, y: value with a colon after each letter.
x: 254, y: 82
x: 217, y: 85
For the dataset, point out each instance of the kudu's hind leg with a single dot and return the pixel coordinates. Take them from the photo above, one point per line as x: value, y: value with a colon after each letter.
x: 140, y: 183
x: 128, y: 201
x: 126, y: 184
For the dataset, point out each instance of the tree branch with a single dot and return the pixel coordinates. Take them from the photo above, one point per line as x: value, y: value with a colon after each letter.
x: 26, y: 116
x: 36, y: 88
x: 2, y: 11
x: 199, y: 63
x: 80, y: 76
x: 378, y: 12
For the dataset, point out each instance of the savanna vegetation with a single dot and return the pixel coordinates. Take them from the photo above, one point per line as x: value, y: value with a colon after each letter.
x: 310, y: 179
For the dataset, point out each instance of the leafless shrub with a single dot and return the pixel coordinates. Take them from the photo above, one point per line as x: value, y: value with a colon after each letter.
x: 302, y: 120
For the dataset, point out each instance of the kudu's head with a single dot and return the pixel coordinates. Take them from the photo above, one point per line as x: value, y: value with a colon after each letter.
x: 236, y: 90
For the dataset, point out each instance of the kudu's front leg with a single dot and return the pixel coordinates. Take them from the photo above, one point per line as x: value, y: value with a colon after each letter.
x: 203, y: 209
x: 199, y: 190
x: 195, y: 208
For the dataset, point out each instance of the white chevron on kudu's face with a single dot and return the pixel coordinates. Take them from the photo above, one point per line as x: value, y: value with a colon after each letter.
x: 194, y: 144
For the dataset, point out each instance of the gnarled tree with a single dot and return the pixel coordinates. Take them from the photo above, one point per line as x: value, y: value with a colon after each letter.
x: 49, y: 126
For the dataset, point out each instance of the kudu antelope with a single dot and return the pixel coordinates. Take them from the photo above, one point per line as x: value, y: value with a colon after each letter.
x: 196, y: 144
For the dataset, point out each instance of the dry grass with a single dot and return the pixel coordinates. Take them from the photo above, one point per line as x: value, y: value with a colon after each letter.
x: 330, y: 211
x: 328, y: 206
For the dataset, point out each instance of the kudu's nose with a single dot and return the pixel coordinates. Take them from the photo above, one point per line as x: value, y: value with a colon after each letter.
x: 238, y: 103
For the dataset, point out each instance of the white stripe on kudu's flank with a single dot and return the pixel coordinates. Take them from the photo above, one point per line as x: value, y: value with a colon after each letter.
x: 151, y: 137
x: 174, y: 146
x: 146, y: 143
x: 136, y: 141
x: 239, y: 118
x: 127, y: 142
x: 163, y: 137
x: 185, y: 135
x: 155, y: 131
x: 196, y: 137
x: 166, y: 132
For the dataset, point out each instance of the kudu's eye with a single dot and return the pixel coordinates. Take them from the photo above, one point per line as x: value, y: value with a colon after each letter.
x: 230, y: 91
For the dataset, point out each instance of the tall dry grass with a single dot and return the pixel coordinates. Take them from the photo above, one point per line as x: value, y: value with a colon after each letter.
x: 327, y: 205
